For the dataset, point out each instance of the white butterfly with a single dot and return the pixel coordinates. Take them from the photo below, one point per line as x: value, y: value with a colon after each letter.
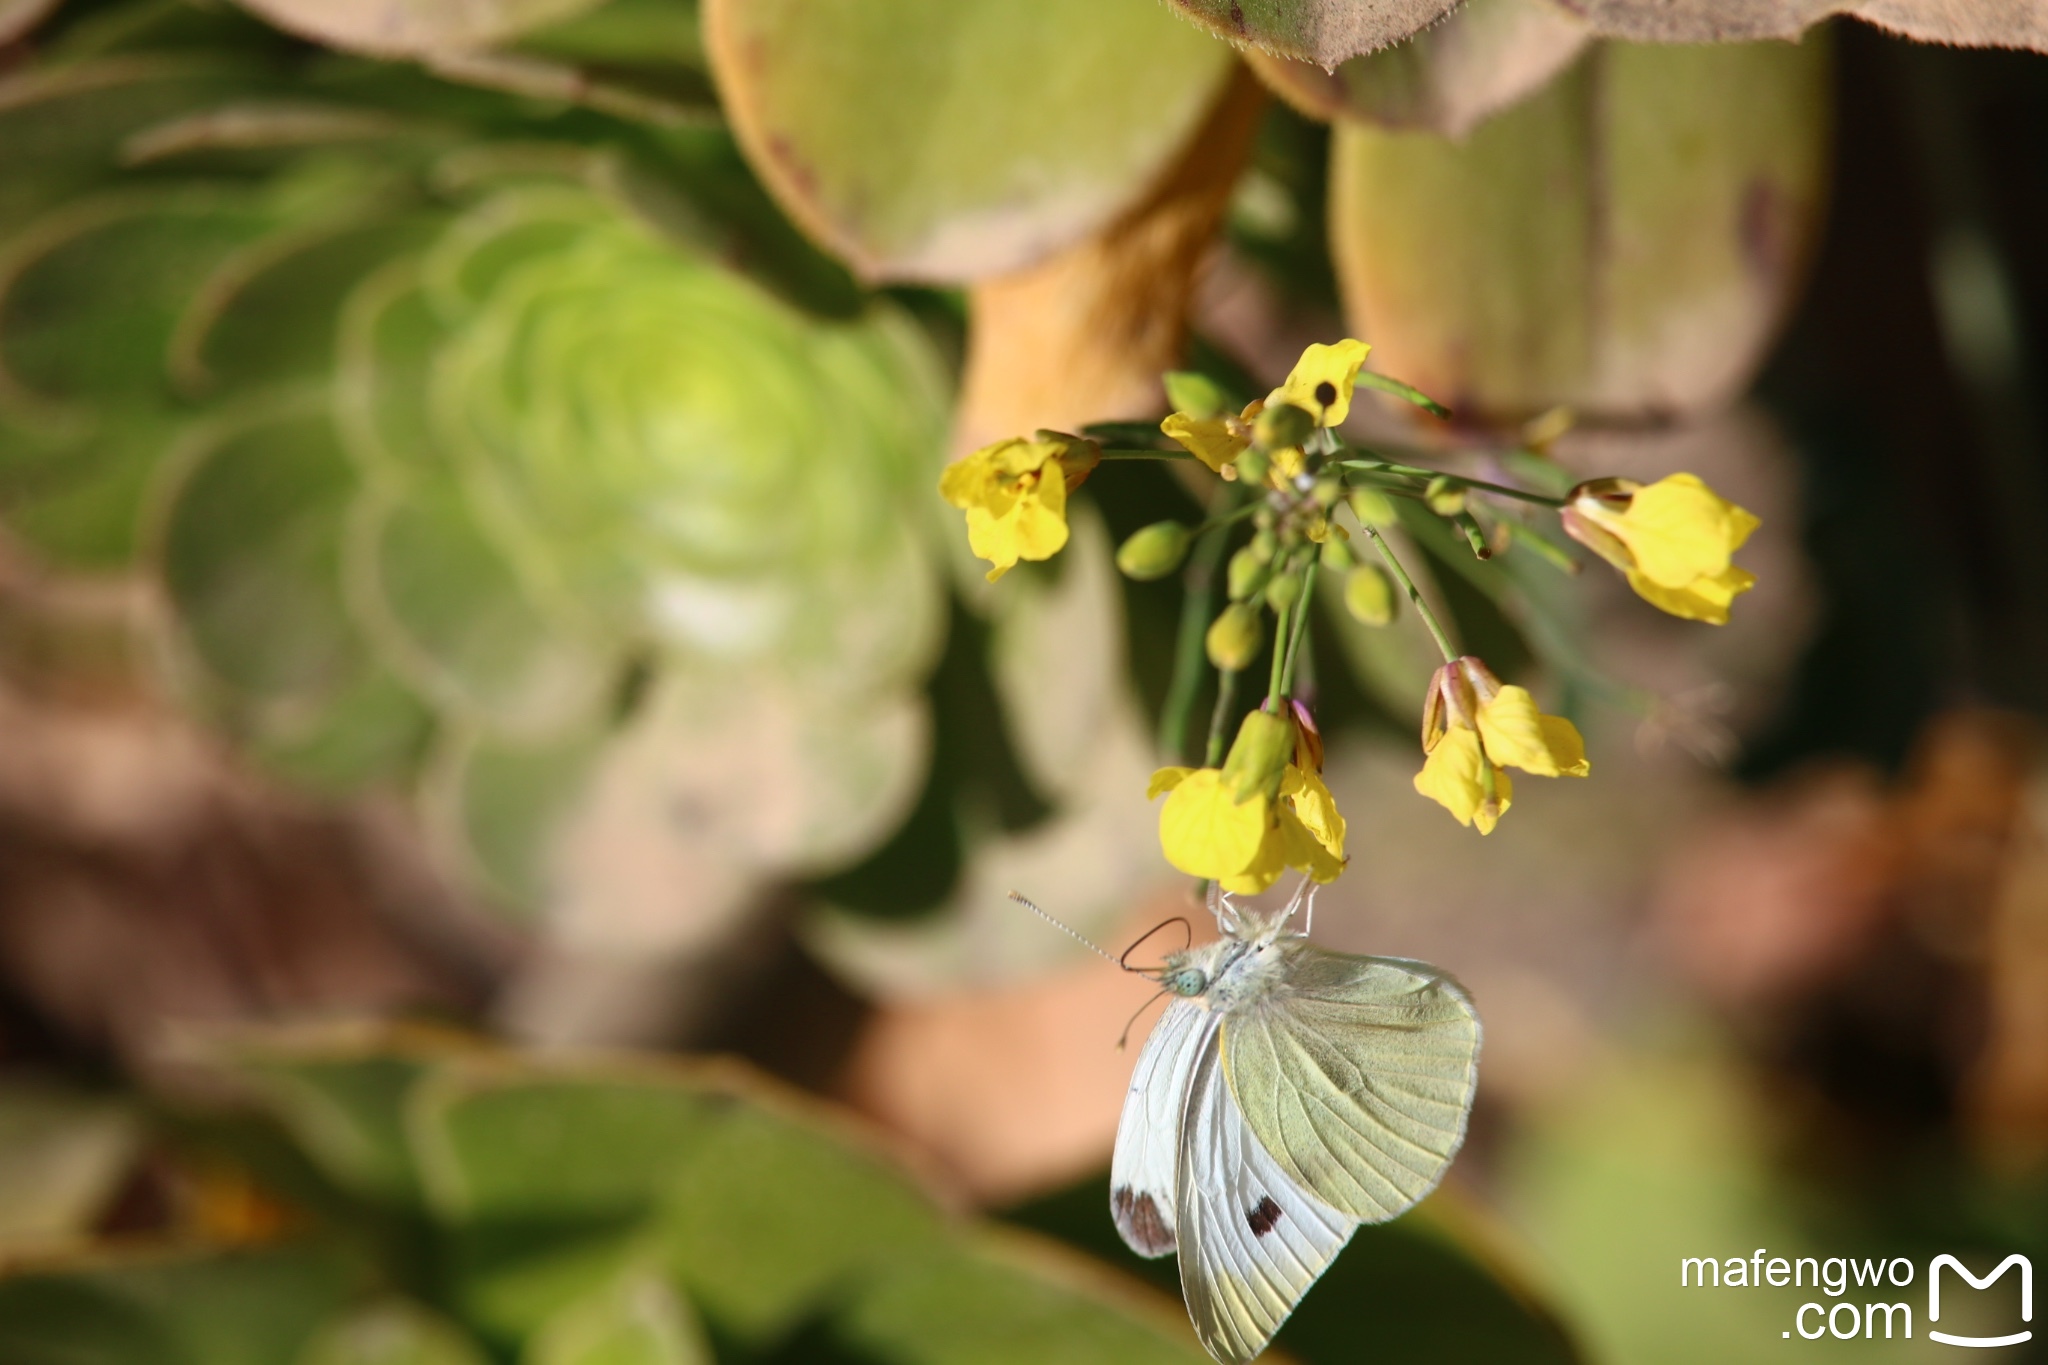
x: 1287, y: 1095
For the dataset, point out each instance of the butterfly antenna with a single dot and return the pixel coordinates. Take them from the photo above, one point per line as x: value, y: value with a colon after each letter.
x: 1125, y: 1036
x: 1070, y: 932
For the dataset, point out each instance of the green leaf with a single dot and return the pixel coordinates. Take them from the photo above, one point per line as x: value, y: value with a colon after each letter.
x: 249, y: 545
x: 509, y: 1142
x: 341, y: 1092
x: 637, y: 1322
x: 62, y: 1154
x: 956, y: 139
x: 450, y: 614
x: 391, y: 1332
x: 1625, y: 243
x: 1010, y: 1300
x: 773, y: 1214
x: 76, y: 496
x: 245, y: 1308
x: 373, y: 732
x: 91, y: 294
x: 495, y: 808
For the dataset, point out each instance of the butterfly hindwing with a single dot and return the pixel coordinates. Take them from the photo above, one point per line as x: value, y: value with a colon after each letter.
x: 1141, y: 1175
x: 1357, y: 1077
x: 1252, y: 1241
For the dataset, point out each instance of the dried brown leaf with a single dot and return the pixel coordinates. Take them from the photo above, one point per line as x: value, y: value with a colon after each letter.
x: 1325, y: 32
x: 1485, y: 57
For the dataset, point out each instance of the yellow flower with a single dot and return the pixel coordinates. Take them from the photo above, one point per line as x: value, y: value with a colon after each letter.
x: 1015, y: 496
x: 1320, y: 384
x: 1672, y: 539
x: 1322, y: 380
x: 1206, y: 831
x: 1215, y: 441
x: 1474, y: 729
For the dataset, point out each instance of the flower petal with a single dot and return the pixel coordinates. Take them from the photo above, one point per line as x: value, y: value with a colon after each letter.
x: 1451, y: 778
x: 1679, y: 530
x: 1209, y: 440
x: 1205, y: 832
x: 1311, y: 803
x: 1336, y: 366
x: 1704, y: 599
x: 1165, y: 780
x: 1517, y: 735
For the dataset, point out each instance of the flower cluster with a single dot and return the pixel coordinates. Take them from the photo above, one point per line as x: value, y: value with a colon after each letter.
x: 1288, y: 478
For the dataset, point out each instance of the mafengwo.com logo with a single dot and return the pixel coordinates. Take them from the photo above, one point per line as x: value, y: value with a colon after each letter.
x: 1869, y: 1298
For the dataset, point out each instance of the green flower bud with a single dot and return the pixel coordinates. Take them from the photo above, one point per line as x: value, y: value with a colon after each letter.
x: 1248, y: 574
x: 1283, y: 591
x: 1265, y: 545
x: 1373, y: 508
x: 1253, y: 466
x: 1234, y: 637
x: 1369, y: 595
x: 1258, y: 757
x: 1154, y: 551
x: 1282, y: 426
x: 1337, y: 552
x: 1327, y: 491
x: 1195, y: 395
x: 1445, y: 496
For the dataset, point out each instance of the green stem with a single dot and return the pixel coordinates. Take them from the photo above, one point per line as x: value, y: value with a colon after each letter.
x: 1376, y: 466
x: 1280, y: 626
x: 1379, y: 542
x: 1229, y: 518
x: 1367, y: 379
x: 1226, y: 693
x: 1294, y: 643
x: 1197, y: 600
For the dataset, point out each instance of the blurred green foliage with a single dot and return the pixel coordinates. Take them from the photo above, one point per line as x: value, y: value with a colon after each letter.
x: 458, y: 1204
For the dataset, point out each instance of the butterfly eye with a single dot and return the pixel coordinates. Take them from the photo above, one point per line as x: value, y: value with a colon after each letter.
x: 1190, y: 981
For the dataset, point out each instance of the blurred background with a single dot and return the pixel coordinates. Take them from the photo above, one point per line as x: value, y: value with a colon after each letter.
x: 510, y: 779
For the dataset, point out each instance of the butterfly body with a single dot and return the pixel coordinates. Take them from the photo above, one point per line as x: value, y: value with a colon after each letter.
x: 1287, y: 1095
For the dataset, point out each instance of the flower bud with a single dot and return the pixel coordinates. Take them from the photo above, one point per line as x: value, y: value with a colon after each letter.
x: 1283, y: 591
x: 1281, y: 427
x: 1154, y: 551
x: 1445, y: 496
x: 1259, y: 756
x: 1327, y: 491
x: 1234, y: 637
x: 1372, y: 507
x: 1369, y: 595
x: 1248, y: 573
x: 1336, y: 554
x: 1265, y: 545
x: 1195, y: 395
x: 1253, y: 466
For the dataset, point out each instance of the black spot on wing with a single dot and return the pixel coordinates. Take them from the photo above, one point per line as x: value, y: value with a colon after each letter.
x: 1137, y: 1217
x: 1326, y: 393
x: 1264, y: 1217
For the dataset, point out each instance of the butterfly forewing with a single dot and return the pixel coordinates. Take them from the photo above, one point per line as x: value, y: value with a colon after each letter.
x: 1141, y: 1175
x: 1356, y: 1076
x: 1252, y: 1241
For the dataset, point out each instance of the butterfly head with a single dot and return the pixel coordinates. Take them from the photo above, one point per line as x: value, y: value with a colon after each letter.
x: 1183, y: 977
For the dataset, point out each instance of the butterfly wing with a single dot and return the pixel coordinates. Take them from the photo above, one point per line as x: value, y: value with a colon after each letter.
x: 1252, y: 1241
x: 1357, y: 1075
x: 1141, y: 1174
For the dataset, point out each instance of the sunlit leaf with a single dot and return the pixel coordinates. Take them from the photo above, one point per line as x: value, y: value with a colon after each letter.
x: 956, y: 139
x: 403, y: 28
x: 1625, y: 243
x: 640, y: 1321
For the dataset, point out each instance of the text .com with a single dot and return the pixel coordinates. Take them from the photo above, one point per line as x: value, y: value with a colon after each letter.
x: 1876, y: 1278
